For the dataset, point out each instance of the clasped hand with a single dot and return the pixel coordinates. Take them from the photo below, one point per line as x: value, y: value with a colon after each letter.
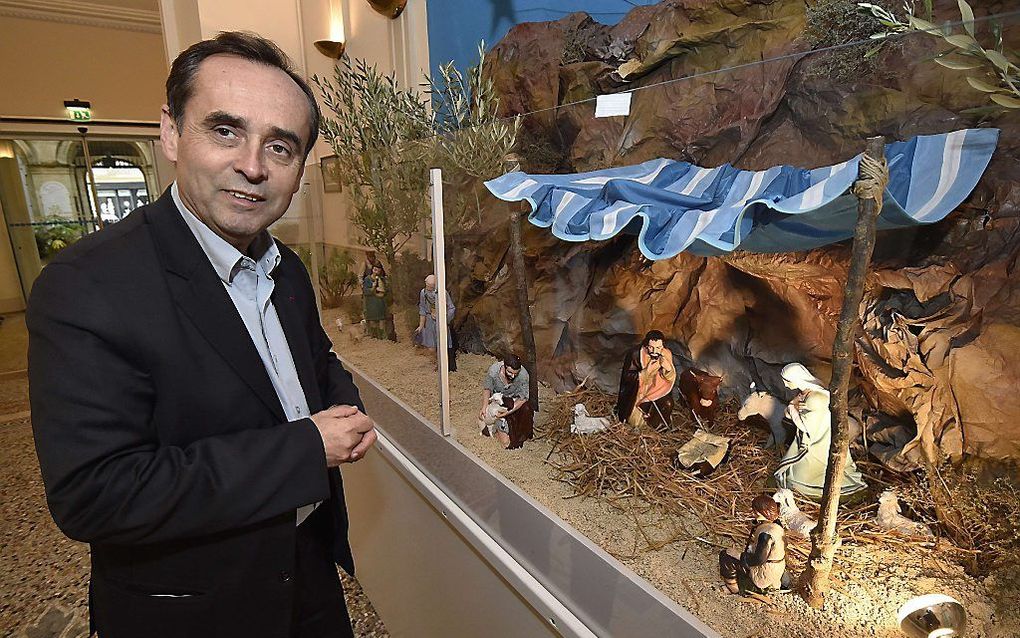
x: 347, y: 433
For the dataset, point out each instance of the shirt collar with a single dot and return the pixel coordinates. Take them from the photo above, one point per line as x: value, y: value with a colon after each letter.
x: 227, y: 260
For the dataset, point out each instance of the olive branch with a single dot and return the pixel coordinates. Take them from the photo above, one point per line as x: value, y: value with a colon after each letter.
x: 1001, y: 77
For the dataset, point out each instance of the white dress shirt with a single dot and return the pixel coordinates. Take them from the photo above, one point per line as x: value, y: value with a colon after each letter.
x: 249, y: 282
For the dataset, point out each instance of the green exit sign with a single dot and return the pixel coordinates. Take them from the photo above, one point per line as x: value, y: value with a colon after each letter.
x: 78, y: 110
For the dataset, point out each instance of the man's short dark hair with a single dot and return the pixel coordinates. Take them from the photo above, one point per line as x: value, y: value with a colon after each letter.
x: 653, y: 335
x: 512, y: 361
x: 248, y: 46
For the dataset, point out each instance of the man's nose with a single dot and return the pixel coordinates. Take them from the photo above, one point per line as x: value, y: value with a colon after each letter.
x: 251, y: 162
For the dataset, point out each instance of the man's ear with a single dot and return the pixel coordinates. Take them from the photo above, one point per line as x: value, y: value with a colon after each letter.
x: 168, y: 134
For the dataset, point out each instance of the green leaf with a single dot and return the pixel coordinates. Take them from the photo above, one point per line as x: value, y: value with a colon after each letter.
x: 997, y: 34
x: 982, y: 111
x: 1007, y: 101
x: 968, y: 16
x: 962, y: 41
x: 997, y: 59
x: 872, y: 51
x: 923, y: 25
x: 981, y: 85
x: 957, y: 63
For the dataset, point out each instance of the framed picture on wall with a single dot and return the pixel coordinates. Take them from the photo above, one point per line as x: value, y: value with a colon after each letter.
x: 330, y: 166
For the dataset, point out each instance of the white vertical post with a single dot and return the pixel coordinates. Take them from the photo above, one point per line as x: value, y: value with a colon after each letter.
x: 313, y: 201
x: 439, y: 263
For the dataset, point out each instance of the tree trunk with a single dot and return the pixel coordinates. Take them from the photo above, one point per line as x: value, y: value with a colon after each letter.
x: 814, y: 582
x: 523, y: 306
x: 396, y: 286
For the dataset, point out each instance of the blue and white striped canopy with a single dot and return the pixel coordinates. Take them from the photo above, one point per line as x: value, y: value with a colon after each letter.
x: 675, y: 206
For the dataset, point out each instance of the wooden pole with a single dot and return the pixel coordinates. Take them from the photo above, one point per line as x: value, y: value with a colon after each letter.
x: 814, y: 582
x: 523, y: 306
x: 90, y: 177
x: 439, y: 263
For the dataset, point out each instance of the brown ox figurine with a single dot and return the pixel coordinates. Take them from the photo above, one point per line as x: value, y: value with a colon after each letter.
x: 701, y: 390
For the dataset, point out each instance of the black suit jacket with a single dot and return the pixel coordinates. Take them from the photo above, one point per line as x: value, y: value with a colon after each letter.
x: 161, y: 440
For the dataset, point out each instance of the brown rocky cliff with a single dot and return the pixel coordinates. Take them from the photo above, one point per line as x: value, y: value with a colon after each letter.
x: 745, y: 315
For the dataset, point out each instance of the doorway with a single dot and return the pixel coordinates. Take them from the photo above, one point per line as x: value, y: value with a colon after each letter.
x: 49, y: 199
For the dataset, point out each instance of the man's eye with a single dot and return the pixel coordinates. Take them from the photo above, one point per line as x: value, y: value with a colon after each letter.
x: 279, y: 149
x: 224, y: 132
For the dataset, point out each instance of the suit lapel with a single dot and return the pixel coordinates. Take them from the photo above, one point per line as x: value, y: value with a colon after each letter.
x: 198, y: 291
x: 285, y: 301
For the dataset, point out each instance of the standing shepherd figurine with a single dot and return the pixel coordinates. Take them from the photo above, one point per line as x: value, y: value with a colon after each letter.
x: 761, y: 566
x: 426, y: 334
x: 374, y: 290
x: 646, y: 383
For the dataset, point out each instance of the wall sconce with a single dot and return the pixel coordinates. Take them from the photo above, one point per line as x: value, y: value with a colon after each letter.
x: 333, y: 47
x: 932, y: 616
x: 389, y: 8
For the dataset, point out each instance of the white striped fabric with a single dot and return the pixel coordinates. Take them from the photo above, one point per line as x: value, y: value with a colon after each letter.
x: 933, y: 175
x: 951, y: 156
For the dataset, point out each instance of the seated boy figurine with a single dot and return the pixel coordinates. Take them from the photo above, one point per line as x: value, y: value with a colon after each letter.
x: 761, y: 566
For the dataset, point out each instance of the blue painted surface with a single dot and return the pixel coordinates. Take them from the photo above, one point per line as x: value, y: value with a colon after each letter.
x: 456, y: 26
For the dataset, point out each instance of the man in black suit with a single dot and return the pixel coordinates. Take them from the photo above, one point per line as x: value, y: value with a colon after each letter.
x: 188, y: 413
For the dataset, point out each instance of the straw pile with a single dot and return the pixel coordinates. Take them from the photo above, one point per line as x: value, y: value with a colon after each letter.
x: 635, y: 470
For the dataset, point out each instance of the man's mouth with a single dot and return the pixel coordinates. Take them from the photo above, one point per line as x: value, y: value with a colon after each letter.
x: 247, y: 197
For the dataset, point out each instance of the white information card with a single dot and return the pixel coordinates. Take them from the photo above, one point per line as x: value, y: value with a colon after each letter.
x: 612, y: 104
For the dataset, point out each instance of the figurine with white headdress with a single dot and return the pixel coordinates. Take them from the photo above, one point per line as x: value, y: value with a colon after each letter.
x: 803, y: 467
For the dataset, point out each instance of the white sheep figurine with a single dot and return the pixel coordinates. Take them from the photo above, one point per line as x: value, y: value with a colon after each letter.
x: 353, y: 331
x: 769, y: 408
x: 763, y: 404
x: 796, y: 522
x: 586, y: 424
x: 491, y: 421
x: 889, y: 518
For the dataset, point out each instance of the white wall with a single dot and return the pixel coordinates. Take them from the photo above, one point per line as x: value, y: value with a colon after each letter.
x: 396, y: 46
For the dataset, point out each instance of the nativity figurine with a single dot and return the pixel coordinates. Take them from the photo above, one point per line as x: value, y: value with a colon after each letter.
x: 646, y: 383
x: 510, y: 379
x: 761, y: 566
x: 802, y: 468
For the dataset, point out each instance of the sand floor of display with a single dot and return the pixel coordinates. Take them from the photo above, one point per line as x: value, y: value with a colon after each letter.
x: 871, y: 582
x: 39, y: 567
